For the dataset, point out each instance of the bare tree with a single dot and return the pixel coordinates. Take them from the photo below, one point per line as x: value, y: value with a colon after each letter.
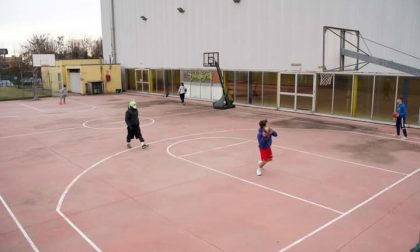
x: 60, y: 48
x: 38, y: 43
x: 96, y: 49
x: 78, y: 48
x: 63, y: 49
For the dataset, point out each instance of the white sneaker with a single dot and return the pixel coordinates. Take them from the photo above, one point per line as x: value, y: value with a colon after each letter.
x: 404, y: 138
x: 143, y: 145
x: 259, y: 171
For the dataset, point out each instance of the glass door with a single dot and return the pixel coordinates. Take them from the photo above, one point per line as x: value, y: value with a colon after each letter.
x: 145, y: 82
x: 305, y: 89
x: 297, y: 91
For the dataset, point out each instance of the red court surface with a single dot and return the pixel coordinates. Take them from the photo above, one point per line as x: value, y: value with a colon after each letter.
x: 68, y: 182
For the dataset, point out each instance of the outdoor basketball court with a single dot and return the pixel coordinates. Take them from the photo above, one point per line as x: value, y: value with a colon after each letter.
x: 68, y: 182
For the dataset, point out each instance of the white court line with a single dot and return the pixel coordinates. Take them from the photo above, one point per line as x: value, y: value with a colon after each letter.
x: 1, y: 117
x: 82, y: 103
x: 385, y: 137
x: 85, y: 124
x: 60, y: 110
x: 340, y: 160
x: 183, y: 113
x: 40, y: 132
x: 74, y: 181
x: 31, y: 107
x: 22, y: 230
x: 244, y: 180
x: 72, y: 128
x: 216, y: 148
x: 300, y: 240
x: 392, y: 135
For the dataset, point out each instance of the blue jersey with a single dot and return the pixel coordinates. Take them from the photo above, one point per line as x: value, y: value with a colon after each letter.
x: 402, y: 110
x: 265, y: 141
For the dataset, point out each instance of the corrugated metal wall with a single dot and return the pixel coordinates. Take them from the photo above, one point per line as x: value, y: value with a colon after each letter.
x: 254, y: 34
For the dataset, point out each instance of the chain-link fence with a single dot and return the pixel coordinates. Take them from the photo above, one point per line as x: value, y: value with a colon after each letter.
x: 21, y: 85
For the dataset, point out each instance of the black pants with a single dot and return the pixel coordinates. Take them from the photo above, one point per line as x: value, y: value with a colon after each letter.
x: 134, y: 132
x: 182, y: 96
x: 400, y: 124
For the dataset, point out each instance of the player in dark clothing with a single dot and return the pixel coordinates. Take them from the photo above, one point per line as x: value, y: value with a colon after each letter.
x: 133, y: 125
x: 401, y: 118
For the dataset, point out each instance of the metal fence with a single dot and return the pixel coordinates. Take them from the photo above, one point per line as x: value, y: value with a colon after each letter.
x: 16, y: 86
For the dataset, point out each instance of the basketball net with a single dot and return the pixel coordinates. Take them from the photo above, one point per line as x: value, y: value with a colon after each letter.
x: 326, y: 79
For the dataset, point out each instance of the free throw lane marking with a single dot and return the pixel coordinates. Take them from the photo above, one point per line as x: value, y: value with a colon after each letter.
x: 242, y: 179
x: 22, y: 230
x: 337, y: 159
x: 74, y: 181
x: 216, y: 148
x: 85, y: 124
x: 40, y: 132
x: 384, y: 137
x: 32, y: 107
x: 300, y: 240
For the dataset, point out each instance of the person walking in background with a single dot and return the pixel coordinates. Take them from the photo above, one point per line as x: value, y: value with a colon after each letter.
x: 181, y: 91
x: 401, y: 115
x: 133, y: 125
x: 63, y: 95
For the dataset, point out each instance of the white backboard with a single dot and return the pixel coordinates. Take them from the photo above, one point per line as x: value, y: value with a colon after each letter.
x: 332, y: 38
x: 39, y: 60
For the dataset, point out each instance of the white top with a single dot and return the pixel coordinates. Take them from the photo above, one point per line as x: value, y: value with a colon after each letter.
x: 181, y: 90
x: 63, y: 91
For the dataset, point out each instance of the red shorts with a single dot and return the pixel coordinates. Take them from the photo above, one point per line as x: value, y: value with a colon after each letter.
x: 266, y: 154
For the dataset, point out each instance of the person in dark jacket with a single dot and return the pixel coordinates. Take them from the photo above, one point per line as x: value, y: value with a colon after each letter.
x: 264, y: 136
x: 401, y: 118
x: 133, y: 125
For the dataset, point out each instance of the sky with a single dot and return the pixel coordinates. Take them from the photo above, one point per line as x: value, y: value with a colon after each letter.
x: 19, y: 19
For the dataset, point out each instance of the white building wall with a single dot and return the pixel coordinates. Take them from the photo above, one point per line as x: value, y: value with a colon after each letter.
x: 254, y: 34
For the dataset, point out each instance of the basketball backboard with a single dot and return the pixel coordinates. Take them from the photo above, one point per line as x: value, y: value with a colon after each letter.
x: 334, y: 40
x: 210, y: 59
x: 39, y: 60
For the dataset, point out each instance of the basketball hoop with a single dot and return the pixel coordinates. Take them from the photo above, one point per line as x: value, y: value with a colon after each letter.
x: 326, y: 79
x: 211, y: 59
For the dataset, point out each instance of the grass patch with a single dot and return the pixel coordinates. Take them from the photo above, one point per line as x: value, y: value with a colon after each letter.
x: 14, y: 93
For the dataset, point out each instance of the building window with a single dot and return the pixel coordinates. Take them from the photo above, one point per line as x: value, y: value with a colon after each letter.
x: 159, y: 82
x: 229, y: 77
x: 303, y: 103
x: 409, y: 89
x: 342, y: 94
x: 384, y: 100
x: 287, y: 101
x: 362, y: 96
x: 241, y: 87
x: 305, y: 84
x: 287, y: 83
x: 324, y: 94
x: 270, y: 89
x: 256, y: 88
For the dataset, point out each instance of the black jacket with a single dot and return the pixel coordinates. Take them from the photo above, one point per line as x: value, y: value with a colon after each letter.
x: 132, y: 117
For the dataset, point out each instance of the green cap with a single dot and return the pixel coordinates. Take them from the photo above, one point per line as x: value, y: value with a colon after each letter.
x: 132, y: 104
